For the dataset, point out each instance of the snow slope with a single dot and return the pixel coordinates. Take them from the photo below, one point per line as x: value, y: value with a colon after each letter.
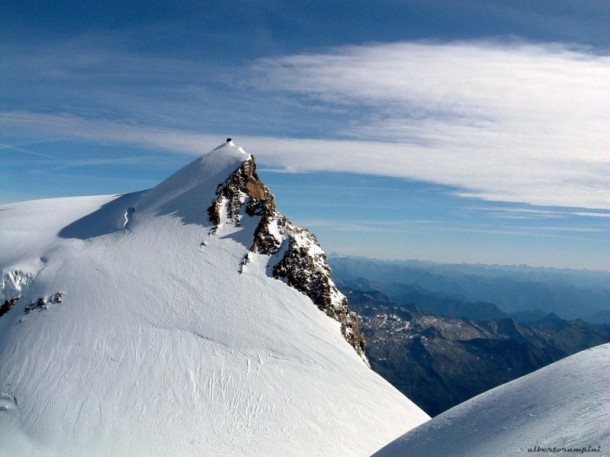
x: 561, y: 409
x: 163, y: 344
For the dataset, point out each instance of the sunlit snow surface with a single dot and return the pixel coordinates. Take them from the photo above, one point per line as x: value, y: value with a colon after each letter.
x: 564, y: 405
x: 162, y: 347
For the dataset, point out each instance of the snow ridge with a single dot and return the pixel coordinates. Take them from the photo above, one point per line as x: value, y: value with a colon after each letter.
x: 561, y: 409
x: 295, y: 256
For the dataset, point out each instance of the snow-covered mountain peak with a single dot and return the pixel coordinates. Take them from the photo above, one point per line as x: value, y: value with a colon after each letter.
x: 189, y: 319
x: 222, y: 188
x: 222, y: 160
x: 229, y: 144
x: 196, y: 182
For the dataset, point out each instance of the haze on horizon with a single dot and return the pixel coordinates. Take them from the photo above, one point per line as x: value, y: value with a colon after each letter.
x: 455, y: 132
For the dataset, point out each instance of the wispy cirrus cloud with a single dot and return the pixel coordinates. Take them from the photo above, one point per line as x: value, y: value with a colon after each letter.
x: 475, y: 176
x: 406, y: 227
x: 512, y: 122
x: 69, y: 126
x: 509, y: 122
x: 518, y: 213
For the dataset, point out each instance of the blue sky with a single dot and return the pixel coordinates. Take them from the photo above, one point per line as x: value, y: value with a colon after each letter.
x: 453, y: 131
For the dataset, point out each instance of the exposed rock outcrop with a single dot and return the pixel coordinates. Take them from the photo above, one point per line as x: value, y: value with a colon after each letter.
x: 7, y: 305
x: 295, y: 255
x: 44, y: 302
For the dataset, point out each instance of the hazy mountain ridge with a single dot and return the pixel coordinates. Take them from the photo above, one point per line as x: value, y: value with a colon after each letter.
x: 570, y: 294
x: 441, y: 361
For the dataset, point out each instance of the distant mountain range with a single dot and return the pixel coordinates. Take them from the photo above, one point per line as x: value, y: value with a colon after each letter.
x: 440, y: 361
x: 482, y: 291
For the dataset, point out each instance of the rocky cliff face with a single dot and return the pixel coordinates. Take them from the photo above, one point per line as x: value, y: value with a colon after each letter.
x: 295, y: 255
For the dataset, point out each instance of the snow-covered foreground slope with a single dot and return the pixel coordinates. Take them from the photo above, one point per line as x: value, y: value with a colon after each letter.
x: 165, y: 342
x: 562, y: 409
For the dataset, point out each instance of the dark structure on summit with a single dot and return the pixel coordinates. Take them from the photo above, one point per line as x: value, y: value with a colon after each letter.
x: 228, y: 140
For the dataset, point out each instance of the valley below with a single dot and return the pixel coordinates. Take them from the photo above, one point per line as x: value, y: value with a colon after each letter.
x: 442, y: 350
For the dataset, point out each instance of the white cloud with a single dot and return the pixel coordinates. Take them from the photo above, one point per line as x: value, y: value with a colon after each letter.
x: 510, y: 122
x: 534, y: 213
x: 478, y: 174
x: 506, y: 122
x: 67, y: 126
